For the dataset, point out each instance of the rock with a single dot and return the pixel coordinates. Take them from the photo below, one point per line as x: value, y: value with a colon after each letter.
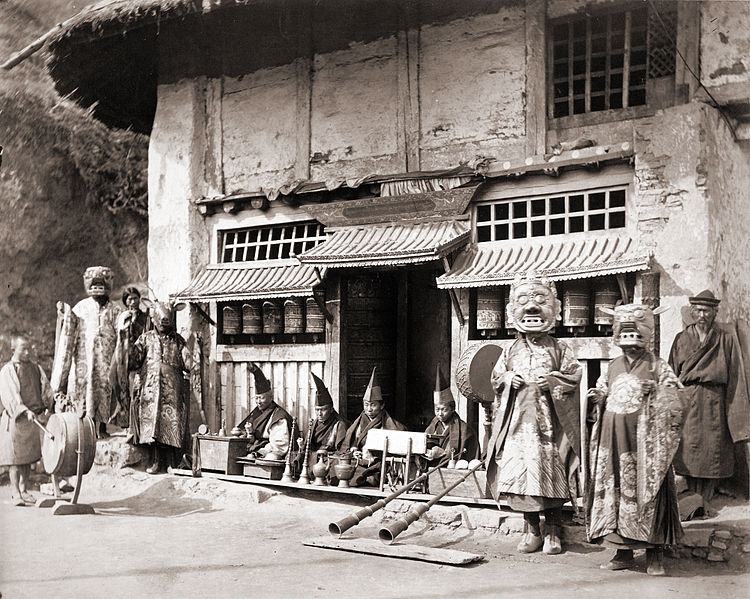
x: 485, y: 519
x: 696, y: 537
x: 746, y: 548
x: 513, y: 524
x: 701, y: 553
x: 716, y: 556
x: 47, y: 489
x: 723, y: 534
x: 719, y: 545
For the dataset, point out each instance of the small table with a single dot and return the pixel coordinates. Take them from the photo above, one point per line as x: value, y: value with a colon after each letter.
x: 219, y: 454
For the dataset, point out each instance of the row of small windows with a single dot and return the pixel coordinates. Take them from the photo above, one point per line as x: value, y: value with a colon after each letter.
x: 595, y: 210
x: 270, y: 242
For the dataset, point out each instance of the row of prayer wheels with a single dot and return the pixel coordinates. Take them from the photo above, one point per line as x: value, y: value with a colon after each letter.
x: 291, y: 316
x: 576, y: 313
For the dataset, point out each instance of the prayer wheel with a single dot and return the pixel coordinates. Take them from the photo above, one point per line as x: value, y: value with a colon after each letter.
x: 271, y: 318
x: 231, y: 320
x: 576, y: 306
x: 316, y: 322
x: 252, y: 323
x: 294, y: 317
x: 490, y: 307
x: 606, y: 294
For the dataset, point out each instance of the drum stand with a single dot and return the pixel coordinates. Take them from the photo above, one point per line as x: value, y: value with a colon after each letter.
x: 62, y: 506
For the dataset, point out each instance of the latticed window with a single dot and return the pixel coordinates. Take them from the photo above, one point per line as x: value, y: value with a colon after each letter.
x: 270, y: 242
x: 604, y: 61
x: 574, y: 212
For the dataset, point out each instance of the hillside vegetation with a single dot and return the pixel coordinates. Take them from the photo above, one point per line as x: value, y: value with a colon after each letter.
x: 72, y: 191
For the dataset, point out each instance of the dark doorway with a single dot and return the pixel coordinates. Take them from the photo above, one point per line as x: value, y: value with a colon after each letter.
x: 369, y: 336
x: 398, y: 321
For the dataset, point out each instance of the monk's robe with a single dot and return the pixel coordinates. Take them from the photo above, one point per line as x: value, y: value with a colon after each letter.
x: 356, y: 436
x: 631, y: 498
x: 271, y: 428
x: 454, y: 434
x: 719, y: 410
x: 532, y: 454
x: 329, y: 435
x: 23, y: 388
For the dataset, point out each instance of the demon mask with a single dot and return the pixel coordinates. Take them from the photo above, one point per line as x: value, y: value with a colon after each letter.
x: 98, y: 281
x: 633, y: 324
x: 533, y: 306
x: 163, y: 314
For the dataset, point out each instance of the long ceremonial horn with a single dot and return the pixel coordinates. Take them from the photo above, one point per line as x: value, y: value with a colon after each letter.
x: 390, y: 532
x: 340, y: 527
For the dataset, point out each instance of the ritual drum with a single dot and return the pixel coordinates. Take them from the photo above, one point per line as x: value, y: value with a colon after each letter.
x: 294, y: 318
x: 231, y: 317
x: 271, y: 317
x: 474, y: 370
x: 251, y: 321
x: 60, y: 454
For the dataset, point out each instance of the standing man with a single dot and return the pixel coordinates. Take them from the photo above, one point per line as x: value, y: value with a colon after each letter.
x: 451, y: 433
x: 631, y: 496
x: 532, y: 452
x: 25, y: 394
x: 88, y: 335
x: 708, y: 362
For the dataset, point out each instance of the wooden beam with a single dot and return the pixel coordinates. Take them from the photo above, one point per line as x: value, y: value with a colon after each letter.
x: 303, y: 106
x: 213, y: 148
x: 451, y: 557
x: 407, y: 110
x: 536, y: 77
x: 688, y: 44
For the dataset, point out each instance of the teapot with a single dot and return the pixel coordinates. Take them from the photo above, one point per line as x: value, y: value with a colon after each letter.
x: 321, y: 467
x: 344, y: 469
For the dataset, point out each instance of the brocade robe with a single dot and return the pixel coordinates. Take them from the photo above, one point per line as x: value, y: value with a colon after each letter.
x: 631, y: 498
x: 718, y: 414
x: 83, y: 356
x: 162, y: 402
x: 23, y: 387
x: 454, y: 434
x: 532, y: 451
x: 271, y: 429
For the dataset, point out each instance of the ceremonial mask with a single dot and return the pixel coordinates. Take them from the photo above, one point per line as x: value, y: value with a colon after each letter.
x: 97, y: 281
x: 163, y: 314
x: 533, y: 306
x: 633, y: 324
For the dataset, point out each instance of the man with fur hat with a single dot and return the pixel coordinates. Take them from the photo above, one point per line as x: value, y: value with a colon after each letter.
x: 631, y: 496
x: 373, y: 416
x: 88, y: 335
x: 708, y: 362
x: 269, y: 423
x: 452, y: 433
x: 532, y: 451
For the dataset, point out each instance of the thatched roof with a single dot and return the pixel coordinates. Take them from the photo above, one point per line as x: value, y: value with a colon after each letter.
x: 107, y: 56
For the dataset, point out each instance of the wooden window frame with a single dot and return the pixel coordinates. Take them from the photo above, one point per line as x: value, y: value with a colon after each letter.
x: 260, y: 248
x: 548, y: 216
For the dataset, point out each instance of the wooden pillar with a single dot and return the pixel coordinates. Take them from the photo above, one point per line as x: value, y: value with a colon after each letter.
x: 407, y: 111
x: 536, y: 77
x: 688, y: 44
x: 650, y: 297
x: 335, y: 367
x: 303, y: 107
x: 402, y: 341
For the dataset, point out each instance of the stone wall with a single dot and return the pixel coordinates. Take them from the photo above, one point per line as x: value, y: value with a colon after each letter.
x: 725, y: 43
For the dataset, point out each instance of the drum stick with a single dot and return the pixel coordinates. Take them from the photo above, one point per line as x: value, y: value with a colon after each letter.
x: 44, y: 428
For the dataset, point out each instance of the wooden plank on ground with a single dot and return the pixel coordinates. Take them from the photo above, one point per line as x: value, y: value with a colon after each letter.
x: 398, y: 550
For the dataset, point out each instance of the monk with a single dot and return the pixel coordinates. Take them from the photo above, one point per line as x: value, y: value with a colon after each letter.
x: 450, y: 434
x: 532, y: 452
x: 25, y: 394
x: 373, y: 416
x: 708, y: 362
x: 631, y: 499
x: 268, y: 425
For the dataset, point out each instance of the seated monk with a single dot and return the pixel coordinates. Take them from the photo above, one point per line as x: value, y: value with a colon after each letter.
x: 328, y: 429
x: 448, y: 431
x: 268, y: 425
x: 373, y: 416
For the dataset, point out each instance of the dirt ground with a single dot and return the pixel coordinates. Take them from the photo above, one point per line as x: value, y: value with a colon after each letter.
x: 171, y: 536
